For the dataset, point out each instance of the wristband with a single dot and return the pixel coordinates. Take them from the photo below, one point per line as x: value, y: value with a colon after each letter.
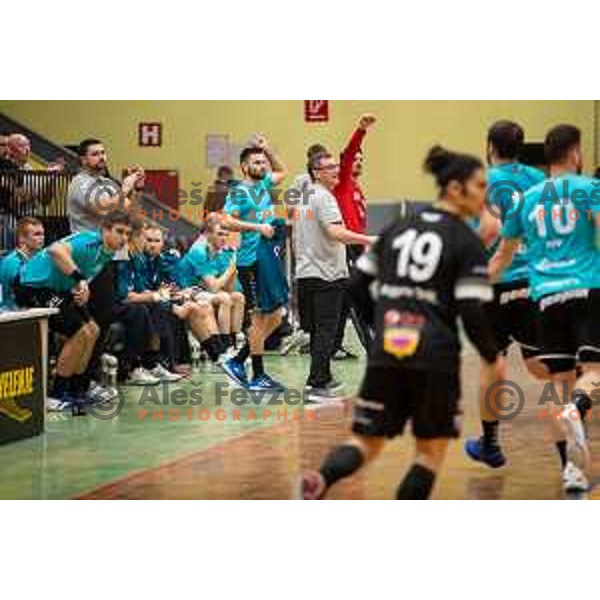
x: 77, y: 275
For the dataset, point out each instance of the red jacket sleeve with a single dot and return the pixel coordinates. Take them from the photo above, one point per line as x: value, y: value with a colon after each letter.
x: 349, y: 154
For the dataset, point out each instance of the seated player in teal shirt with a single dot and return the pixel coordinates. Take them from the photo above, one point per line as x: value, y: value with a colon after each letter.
x: 158, y: 269
x: 57, y: 277
x: 30, y: 239
x: 211, y: 265
x: 250, y: 210
x: 560, y: 223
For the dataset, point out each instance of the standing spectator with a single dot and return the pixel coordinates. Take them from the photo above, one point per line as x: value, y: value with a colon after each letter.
x: 353, y: 206
x: 93, y: 195
x: 14, y: 190
x: 19, y: 151
x: 321, y: 270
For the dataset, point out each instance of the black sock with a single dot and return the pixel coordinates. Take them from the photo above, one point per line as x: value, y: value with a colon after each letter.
x: 583, y: 403
x: 80, y: 384
x: 225, y: 340
x: 490, y: 434
x: 233, y: 340
x: 243, y: 354
x: 258, y: 368
x: 562, y: 452
x: 61, y: 387
x: 341, y: 462
x: 212, y: 346
x: 417, y: 484
x: 150, y: 359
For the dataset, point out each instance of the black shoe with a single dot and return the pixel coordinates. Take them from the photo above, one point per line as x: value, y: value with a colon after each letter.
x: 326, y: 393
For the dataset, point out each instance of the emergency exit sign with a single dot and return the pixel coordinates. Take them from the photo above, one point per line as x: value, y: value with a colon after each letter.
x: 316, y: 111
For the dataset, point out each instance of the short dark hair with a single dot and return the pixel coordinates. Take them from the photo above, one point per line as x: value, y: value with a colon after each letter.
x: 117, y: 217
x: 224, y: 170
x: 314, y: 162
x: 447, y: 166
x: 246, y: 153
x: 84, y: 146
x: 559, y: 141
x: 506, y: 138
x: 315, y: 149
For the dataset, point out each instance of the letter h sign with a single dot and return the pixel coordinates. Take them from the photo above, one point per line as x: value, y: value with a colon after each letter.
x: 150, y: 134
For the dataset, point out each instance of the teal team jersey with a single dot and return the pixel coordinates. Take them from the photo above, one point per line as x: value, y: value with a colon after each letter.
x: 249, y: 203
x: 144, y: 273
x: 10, y: 266
x: 130, y: 276
x: 88, y: 252
x: 200, y: 262
x: 557, y: 223
x: 503, y: 181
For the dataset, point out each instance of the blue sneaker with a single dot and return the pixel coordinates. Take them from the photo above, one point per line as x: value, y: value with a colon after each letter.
x: 235, y: 370
x: 492, y: 457
x: 265, y: 382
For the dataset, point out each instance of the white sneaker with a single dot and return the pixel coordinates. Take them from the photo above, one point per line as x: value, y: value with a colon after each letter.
x: 141, y: 376
x: 164, y: 374
x: 101, y: 393
x: 574, y: 479
x: 56, y: 405
x: 294, y: 342
x: 577, y: 448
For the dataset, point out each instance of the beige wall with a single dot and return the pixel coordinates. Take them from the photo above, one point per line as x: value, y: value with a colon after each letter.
x: 395, y: 148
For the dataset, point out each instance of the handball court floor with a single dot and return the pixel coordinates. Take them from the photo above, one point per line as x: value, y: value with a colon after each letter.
x: 135, y: 457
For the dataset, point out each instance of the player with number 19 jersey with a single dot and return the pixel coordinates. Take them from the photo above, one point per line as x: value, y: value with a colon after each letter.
x: 423, y: 266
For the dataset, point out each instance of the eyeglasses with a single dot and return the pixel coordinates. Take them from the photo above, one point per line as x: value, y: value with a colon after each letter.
x: 328, y: 168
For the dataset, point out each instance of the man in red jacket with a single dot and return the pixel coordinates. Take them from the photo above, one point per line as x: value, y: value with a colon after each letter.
x: 353, y: 206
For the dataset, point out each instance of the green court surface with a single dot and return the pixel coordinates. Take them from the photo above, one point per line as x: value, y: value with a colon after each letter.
x: 77, y: 454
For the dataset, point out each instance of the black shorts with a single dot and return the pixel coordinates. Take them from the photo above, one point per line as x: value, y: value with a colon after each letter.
x: 70, y: 318
x: 514, y: 318
x: 389, y: 397
x: 247, y: 278
x: 569, y: 329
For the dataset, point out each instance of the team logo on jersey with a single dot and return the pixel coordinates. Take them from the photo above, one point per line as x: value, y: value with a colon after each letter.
x: 401, y: 341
